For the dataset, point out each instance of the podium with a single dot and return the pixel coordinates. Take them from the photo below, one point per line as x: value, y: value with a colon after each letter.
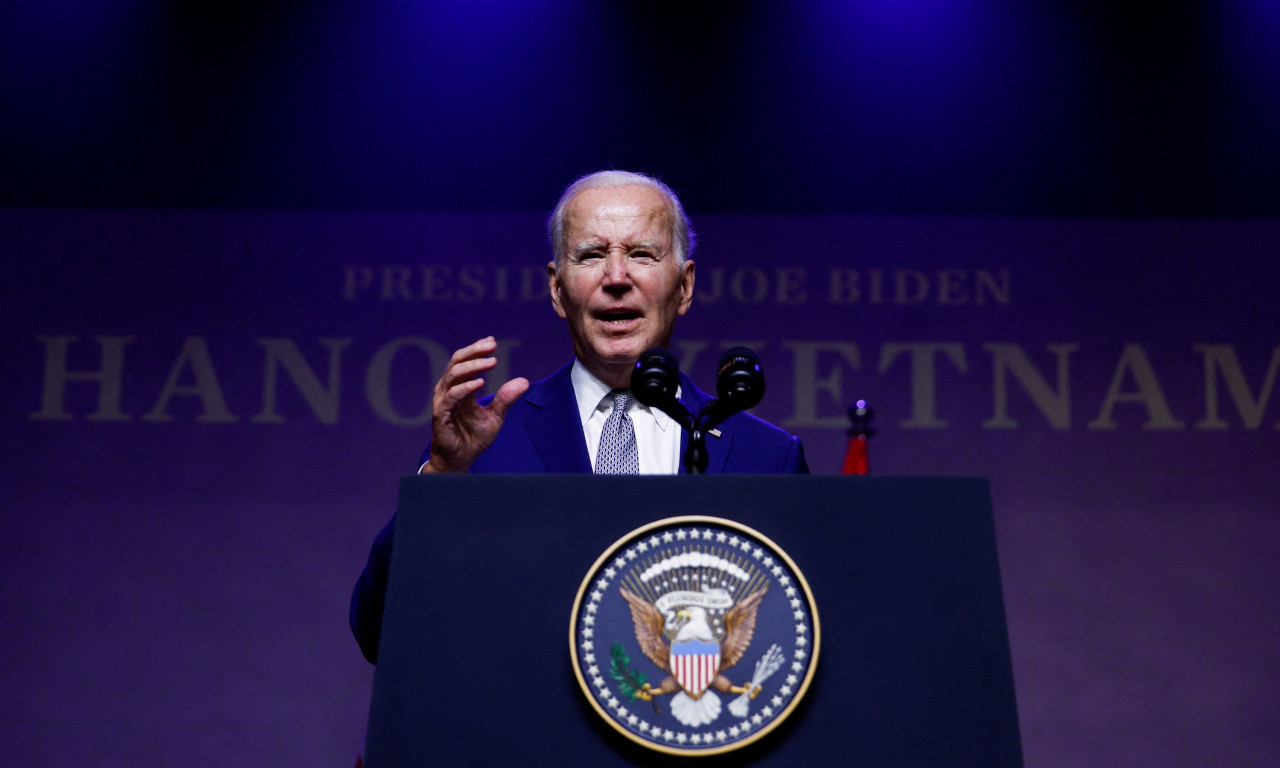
x: 474, y: 665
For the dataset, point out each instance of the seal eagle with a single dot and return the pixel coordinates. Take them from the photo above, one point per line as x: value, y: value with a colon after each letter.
x: 696, y: 655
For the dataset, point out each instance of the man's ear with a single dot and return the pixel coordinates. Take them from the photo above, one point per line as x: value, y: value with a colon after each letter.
x: 686, y: 287
x: 553, y: 285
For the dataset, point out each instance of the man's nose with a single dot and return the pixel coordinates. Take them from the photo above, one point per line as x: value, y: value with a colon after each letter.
x: 616, y: 270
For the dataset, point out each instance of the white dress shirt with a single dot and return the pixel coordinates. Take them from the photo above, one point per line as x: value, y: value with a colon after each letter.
x: 657, y: 434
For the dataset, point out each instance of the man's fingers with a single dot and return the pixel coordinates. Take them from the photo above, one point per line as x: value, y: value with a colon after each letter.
x: 483, y: 346
x: 465, y: 363
x: 458, y: 372
x: 507, y: 394
x: 449, y: 399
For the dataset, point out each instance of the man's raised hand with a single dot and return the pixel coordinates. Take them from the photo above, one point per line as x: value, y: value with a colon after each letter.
x: 461, y: 428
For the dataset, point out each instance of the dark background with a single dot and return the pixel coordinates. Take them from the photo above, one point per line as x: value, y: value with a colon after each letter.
x: 907, y: 107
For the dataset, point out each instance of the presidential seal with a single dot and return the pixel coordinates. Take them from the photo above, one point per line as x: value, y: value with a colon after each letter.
x: 694, y: 636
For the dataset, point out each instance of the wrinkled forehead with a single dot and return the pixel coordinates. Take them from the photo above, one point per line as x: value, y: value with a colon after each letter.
x: 641, y: 212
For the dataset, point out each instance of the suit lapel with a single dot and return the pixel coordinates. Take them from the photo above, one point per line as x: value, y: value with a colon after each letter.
x: 551, y: 423
x: 564, y: 449
x: 717, y: 447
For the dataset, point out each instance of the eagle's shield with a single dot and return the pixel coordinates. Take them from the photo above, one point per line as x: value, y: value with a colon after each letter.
x: 694, y: 665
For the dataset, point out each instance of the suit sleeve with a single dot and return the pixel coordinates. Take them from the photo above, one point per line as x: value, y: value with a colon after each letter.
x: 370, y: 594
x: 795, y: 463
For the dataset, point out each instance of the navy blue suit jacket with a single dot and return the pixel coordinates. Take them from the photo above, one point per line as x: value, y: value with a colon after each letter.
x: 542, y: 432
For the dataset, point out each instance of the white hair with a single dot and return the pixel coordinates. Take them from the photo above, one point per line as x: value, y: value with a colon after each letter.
x: 682, y: 237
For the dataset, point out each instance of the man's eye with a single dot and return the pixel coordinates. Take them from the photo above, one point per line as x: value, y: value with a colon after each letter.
x: 643, y: 256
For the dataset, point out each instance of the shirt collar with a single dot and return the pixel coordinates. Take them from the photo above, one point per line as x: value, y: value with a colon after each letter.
x: 590, y: 390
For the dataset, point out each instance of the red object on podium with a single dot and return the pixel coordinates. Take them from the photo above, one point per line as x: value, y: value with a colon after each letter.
x: 856, y: 461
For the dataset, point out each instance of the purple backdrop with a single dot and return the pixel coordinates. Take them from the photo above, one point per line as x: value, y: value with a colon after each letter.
x: 205, y: 415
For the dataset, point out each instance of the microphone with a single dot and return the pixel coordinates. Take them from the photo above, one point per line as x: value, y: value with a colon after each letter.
x: 655, y: 379
x: 740, y: 381
x: 739, y: 386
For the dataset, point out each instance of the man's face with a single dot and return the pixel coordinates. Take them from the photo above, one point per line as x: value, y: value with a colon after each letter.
x: 618, y: 286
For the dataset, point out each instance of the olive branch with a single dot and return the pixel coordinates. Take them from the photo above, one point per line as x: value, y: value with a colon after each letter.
x: 629, y: 680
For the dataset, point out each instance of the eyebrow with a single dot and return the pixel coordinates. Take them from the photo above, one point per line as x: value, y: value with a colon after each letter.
x: 591, y: 245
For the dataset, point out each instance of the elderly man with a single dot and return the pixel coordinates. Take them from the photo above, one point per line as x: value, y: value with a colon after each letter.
x: 620, y: 277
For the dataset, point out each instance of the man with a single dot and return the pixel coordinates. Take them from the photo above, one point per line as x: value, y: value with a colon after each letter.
x: 620, y: 277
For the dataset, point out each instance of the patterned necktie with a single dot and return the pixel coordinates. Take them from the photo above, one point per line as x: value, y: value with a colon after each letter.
x: 618, y: 454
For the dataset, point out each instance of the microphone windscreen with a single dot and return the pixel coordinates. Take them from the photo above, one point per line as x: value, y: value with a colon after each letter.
x: 655, y: 378
x: 740, y: 380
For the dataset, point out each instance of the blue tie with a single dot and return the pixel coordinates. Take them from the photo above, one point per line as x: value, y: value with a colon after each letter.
x: 618, y: 454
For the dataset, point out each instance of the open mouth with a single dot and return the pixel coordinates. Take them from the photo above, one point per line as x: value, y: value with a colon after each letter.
x: 617, y: 316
